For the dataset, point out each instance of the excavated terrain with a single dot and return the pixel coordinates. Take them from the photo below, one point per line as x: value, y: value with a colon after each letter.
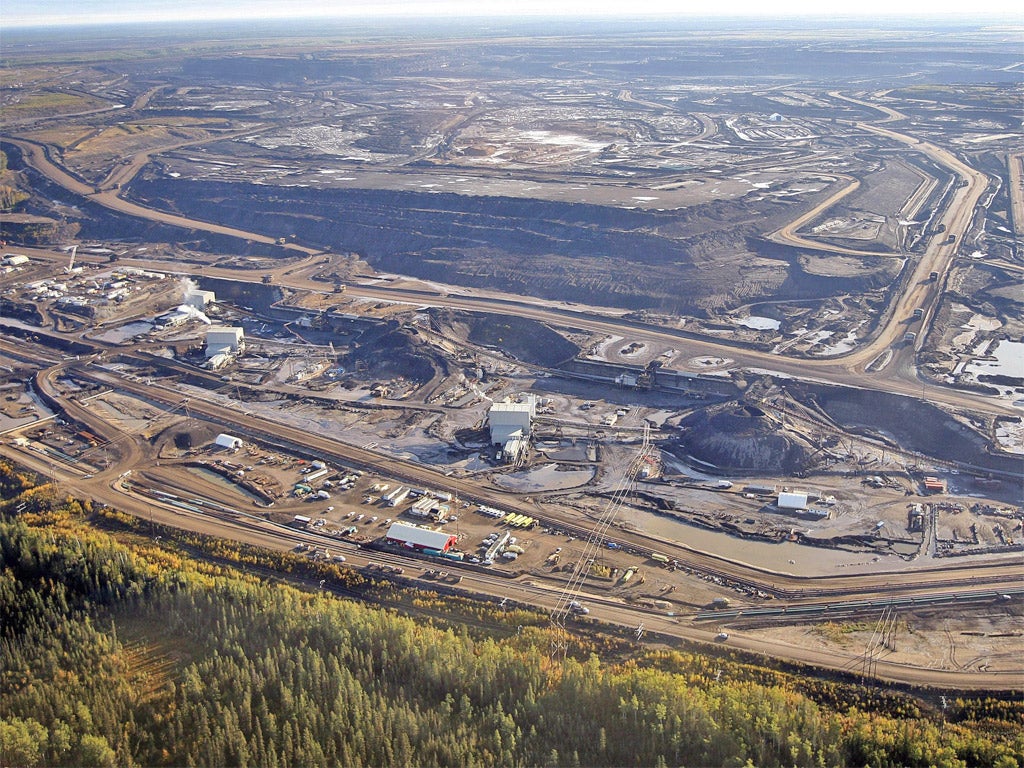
x: 735, y: 439
x: 688, y: 261
x: 521, y: 338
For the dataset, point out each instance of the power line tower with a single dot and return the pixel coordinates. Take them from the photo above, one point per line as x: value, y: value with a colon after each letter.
x: 568, y: 600
x: 54, y: 480
x: 882, y: 640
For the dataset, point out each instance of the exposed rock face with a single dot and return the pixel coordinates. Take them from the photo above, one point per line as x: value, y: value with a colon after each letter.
x: 738, y: 438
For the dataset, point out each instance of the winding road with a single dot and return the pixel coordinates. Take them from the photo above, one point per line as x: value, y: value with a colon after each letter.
x: 849, y: 370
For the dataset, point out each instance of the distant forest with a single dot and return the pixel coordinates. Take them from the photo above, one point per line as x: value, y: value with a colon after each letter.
x: 116, y: 650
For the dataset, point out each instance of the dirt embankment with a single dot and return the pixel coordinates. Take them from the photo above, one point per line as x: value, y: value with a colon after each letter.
x: 741, y: 439
x: 523, y: 339
x: 737, y: 438
x: 84, y: 219
x: 914, y: 425
x: 387, y: 350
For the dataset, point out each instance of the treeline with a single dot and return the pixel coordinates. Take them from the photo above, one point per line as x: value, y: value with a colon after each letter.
x: 128, y: 653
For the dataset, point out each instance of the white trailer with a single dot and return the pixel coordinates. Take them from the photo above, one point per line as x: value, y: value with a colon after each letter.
x: 398, y: 497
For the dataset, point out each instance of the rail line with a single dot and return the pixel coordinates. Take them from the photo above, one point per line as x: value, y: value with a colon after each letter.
x: 783, y: 585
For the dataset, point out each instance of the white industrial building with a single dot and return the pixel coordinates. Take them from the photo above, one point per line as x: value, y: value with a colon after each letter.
x: 413, y: 537
x: 15, y: 259
x: 514, y: 450
x: 792, y: 500
x: 510, y: 420
x: 173, y: 318
x: 228, y: 441
x: 510, y: 425
x: 200, y: 299
x: 219, y: 360
x: 224, y: 339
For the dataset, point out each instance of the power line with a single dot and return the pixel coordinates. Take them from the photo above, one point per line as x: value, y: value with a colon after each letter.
x: 568, y: 598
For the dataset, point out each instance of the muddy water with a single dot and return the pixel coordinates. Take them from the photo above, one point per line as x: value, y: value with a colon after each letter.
x: 786, y: 557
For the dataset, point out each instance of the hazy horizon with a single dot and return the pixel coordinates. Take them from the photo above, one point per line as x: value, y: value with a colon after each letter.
x: 60, y: 13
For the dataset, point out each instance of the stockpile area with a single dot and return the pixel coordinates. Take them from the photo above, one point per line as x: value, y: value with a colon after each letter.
x: 735, y: 438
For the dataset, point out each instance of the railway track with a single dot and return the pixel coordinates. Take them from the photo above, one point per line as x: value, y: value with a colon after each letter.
x: 667, y: 626
x: 289, y: 438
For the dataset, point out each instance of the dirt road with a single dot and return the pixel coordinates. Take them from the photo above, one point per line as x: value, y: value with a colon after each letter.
x: 35, y: 156
x: 849, y: 369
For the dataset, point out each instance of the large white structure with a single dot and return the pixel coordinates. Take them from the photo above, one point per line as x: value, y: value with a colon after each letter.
x: 792, y: 501
x: 224, y: 339
x: 15, y: 259
x: 228, y: 441
x: 219, y: 360
x: 510, y: 420
x: 420, y: 538
x: 199, y: 299
x: 173, y: 318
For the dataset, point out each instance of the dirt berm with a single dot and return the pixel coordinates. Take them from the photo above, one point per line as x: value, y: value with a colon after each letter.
x: 523, y: 339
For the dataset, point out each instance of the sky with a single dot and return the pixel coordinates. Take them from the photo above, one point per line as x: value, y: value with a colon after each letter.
x: 20, y: 13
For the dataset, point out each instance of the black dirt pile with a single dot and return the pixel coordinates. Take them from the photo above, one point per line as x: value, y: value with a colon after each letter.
x: 390, y: 351
x: 523, y: 339
x: 736, y: 439
x: 192, y: 437
x: 913, y: 424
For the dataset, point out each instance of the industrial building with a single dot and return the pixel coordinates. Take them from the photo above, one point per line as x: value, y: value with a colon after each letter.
x: 509, y: 420
x: 510, y: 425
x: 413, y: 537
x: 219, y: 360
x: 200, y: 299
x: 224, y: 339
x: 173, y: 318
x: 792, y: 500
x: 15, y: 259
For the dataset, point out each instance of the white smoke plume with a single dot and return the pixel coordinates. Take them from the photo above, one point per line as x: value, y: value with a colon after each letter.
x: 188, y: 285
x: 188, y: 309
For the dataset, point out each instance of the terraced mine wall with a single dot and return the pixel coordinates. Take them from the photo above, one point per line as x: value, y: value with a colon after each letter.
x: 685, y: 261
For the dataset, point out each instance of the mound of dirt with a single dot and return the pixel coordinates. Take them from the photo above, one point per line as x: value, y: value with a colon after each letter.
x: 523, y: 339
x: 189, y: 436
x: 738, y: 439
x: 913, y: 424
x: 389, y: 350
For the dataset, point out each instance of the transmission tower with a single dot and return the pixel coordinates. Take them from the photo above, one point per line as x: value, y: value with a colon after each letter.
x: 594, y: 543
x: 882, y: 640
